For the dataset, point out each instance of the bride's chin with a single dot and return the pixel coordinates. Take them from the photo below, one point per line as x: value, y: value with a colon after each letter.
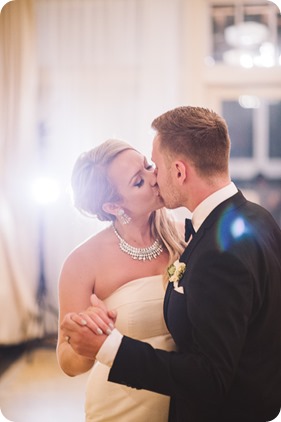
x: 160, y: 203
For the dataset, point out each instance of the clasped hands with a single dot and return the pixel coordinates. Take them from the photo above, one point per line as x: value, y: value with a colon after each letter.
x: 86, y: 331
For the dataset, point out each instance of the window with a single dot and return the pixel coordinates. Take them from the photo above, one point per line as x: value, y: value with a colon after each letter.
x: 254, y: 128
x: 274, y: 132
x: 246, y: 35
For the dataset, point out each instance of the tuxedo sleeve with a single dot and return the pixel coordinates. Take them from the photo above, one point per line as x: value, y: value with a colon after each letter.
x: 146, y: 368
x: 219, y: 303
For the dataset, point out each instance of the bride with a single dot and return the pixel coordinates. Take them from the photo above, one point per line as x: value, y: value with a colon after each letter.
x: 125, y: 266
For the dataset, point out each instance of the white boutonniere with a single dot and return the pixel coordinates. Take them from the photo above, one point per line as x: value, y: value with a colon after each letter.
x: 175, y: 272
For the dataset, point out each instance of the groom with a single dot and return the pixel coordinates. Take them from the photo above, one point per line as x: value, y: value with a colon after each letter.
x: 226, y: 316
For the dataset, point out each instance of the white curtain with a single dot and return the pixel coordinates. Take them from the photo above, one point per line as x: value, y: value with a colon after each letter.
x: 19, y: 314
x: 73, y: 73
x: 107, y: 68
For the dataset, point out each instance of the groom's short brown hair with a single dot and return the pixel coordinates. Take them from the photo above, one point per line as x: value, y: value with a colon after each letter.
x: 198, y: 134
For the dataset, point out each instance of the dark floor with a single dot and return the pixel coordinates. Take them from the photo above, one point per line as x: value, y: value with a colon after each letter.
x: 33, y: 387
x: 9, y: 354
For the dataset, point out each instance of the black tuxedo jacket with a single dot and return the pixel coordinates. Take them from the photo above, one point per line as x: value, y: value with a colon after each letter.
x: 226, y: 324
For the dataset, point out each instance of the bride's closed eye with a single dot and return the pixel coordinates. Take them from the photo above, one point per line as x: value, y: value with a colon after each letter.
x: 148, y: 167
x: 139, y: 184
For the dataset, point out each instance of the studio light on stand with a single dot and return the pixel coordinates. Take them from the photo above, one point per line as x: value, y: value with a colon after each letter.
x: 45, y: 190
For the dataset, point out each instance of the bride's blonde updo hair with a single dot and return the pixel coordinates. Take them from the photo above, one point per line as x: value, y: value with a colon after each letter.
x: 91, y: 188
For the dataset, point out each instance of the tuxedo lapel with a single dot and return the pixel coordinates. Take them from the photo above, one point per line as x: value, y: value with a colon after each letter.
x: 166, y: 299
x: 173, y: 302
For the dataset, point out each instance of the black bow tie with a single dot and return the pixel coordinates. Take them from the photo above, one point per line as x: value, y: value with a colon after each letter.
x: 189, y: 229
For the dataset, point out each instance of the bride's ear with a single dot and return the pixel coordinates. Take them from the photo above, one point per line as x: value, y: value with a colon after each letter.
x: 110, y: 208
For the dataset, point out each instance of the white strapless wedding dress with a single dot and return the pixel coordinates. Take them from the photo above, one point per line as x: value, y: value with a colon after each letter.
x: 139, y: 304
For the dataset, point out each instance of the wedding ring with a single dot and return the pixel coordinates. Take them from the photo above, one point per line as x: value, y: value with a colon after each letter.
x: 67, y: 338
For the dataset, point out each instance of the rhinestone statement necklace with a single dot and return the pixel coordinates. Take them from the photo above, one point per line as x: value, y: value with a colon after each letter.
x: 141, y: 254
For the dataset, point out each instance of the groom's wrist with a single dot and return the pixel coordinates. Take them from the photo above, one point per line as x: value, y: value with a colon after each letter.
x: 108, y: 350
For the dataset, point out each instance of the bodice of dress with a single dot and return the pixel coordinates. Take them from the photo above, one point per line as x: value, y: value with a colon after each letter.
x: 139, y: 306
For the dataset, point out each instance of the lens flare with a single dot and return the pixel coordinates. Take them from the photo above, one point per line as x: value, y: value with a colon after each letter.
x: 238, y: 227
x: 231, y: 230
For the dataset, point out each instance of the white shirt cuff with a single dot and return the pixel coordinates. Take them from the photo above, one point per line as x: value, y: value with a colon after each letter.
x: 108, y: 350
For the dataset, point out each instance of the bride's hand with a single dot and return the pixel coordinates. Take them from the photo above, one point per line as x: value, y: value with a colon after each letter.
x: 80, y: 337
x: 96, y: 317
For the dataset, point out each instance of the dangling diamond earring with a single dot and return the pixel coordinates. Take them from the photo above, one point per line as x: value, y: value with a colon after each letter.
x: 124, y: 218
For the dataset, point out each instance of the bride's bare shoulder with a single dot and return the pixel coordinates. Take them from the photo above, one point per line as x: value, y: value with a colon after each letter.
x: 91, y: 248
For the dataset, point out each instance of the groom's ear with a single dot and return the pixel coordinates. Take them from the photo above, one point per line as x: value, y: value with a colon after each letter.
x: 179, y: 171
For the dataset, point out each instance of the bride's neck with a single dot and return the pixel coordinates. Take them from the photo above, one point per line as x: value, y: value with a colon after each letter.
x: 135, y: 234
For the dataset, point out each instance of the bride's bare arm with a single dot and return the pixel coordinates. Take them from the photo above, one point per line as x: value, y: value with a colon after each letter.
x: 76, y: 285
x: 82, y: 330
